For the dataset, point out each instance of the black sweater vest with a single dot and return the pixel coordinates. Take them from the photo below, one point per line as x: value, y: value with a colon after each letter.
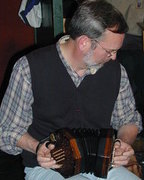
x: 58, y: 103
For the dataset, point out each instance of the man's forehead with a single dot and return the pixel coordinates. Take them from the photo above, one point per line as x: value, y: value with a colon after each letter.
x: 109, y: 35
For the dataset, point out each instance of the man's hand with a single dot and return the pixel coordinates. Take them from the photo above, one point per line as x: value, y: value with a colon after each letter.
x: 44, y: 157
x: 122, y: 153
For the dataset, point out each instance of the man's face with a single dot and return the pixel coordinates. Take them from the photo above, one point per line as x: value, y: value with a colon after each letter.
x: 106, y: 49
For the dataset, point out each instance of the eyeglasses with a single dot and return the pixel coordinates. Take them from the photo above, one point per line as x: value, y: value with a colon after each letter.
x: 109, y: 52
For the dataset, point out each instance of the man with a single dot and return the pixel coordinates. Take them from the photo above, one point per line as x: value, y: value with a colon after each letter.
x: 75, y: 84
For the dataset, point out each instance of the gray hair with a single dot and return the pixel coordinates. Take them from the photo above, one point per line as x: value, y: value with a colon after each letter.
x: 93, y: 17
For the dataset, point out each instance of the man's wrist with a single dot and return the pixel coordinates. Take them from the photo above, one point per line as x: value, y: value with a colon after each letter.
x: 38, y: 147
x: 41, y: 143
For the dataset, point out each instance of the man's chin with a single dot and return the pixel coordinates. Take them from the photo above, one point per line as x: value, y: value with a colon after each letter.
x: 107, y: 60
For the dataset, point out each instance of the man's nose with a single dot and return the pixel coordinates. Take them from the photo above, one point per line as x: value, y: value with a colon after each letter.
x: 113, y: 57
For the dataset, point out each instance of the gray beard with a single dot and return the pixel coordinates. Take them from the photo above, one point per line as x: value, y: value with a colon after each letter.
x: 88, y: 59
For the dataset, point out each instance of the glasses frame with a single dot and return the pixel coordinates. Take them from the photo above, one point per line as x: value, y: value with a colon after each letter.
x: 109, y: 52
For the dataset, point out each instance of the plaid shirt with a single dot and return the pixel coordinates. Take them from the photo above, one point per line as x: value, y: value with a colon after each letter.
x: 16, y: 108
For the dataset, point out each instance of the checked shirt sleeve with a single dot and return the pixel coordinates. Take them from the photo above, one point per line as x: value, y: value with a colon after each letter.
x: 15, y: 110
x: 124, y: 110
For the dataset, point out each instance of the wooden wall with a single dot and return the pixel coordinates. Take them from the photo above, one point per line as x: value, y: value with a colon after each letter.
x: 15, y: 36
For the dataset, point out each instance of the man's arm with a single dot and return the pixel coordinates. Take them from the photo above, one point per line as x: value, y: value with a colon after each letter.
x: 28, y: 143
x: 128, y: 133
x: 16, y: 117
x: 125, y: 118
x: 15, y: 110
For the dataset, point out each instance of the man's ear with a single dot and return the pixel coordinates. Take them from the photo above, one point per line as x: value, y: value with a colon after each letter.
x: 84, y: 43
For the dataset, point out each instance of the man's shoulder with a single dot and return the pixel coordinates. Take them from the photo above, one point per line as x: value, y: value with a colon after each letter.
x: 42, y: 51
x: 43, y: 57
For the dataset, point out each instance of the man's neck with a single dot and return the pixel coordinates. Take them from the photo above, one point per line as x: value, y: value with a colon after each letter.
x: 73, y: 56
